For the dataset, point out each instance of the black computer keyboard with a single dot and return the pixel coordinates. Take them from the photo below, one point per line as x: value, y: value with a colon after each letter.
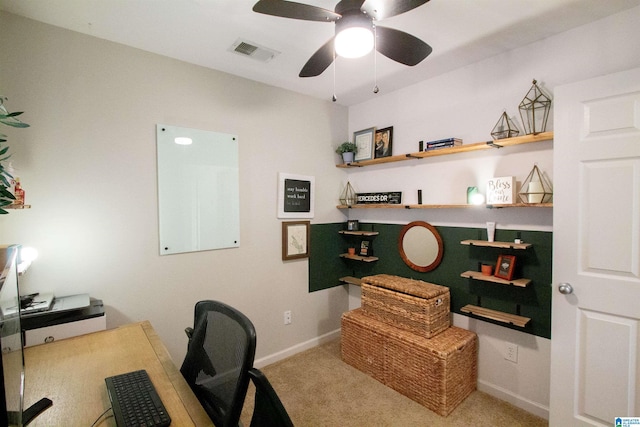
x: 135, y: 401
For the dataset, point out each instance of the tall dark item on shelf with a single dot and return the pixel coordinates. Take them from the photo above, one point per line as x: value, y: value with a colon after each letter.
x: 534, y: 110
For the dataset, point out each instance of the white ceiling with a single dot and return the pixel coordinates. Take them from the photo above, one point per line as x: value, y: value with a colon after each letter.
x: 201, y: 32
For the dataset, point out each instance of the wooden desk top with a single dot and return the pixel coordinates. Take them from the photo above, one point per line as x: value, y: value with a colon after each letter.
x: 71, y: 373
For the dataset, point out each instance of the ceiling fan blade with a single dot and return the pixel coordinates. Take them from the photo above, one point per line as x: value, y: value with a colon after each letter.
x: 381, y: 9
x: 319, y: 61
x: 400, y: 46
x: 289, y: 9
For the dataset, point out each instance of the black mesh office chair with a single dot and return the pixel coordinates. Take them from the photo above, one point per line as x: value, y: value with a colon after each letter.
x: 221, y: 349
x: 268, y: 410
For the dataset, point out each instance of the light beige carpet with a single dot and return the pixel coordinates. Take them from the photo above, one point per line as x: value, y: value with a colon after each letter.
x: 318, y: 389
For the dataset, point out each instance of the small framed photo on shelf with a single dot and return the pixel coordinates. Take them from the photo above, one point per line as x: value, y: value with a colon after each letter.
x: 295, y: 239
x: 365, y: 248
x: 364, y: 141
x: 383, y: 142
x: 505, y: 266
x: 352, y: 225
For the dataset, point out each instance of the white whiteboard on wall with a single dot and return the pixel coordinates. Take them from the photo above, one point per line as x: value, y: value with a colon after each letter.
x: 198, y: 190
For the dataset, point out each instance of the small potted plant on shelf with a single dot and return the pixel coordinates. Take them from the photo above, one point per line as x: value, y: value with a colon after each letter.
x: 347, y: 150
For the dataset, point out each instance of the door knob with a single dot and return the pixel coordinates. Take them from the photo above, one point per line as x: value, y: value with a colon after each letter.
x: 565, y: 288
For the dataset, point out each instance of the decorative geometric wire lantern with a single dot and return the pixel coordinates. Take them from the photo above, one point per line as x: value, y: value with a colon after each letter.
x: 505, y: 128
x: 348, y: 196
x: 536, y: 188
x: 534, y: 110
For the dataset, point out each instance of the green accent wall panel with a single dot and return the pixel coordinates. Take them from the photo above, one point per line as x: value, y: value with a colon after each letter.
x: 326, y: 267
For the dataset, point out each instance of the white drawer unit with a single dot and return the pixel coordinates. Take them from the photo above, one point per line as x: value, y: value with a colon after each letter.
x: 58, y: 324
x: 49, y: 334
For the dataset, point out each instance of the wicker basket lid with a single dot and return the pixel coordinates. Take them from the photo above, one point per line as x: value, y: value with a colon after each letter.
x: 407, y: 286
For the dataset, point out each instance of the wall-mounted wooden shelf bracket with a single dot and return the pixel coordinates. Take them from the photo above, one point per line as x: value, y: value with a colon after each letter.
x: 498, y: 316
x: 501, y: 245
x: 359, y: 232
x: 359, y: 258
x: 351, y: 280
x: 476, y: 275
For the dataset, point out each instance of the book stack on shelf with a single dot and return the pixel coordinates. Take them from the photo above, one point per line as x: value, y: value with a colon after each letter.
x: 442, y: 143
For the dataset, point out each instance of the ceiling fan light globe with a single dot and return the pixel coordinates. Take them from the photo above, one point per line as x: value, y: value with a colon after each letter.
x: 354, y: 42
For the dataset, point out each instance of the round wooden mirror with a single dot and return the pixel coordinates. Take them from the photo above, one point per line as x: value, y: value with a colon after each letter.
x: 420, y: 246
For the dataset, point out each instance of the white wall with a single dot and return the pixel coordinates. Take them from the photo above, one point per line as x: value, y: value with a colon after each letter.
x: 88, y: 166
x: 467, y: 103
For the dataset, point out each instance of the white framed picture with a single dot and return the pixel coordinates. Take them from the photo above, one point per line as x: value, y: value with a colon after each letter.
x: 295, y: 195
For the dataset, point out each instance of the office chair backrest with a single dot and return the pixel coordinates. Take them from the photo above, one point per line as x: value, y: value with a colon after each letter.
x: 220, y: 352
x: 268, y: 410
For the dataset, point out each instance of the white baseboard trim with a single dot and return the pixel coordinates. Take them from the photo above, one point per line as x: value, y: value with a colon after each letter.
x: 503, y: 394
x: 287, y: 352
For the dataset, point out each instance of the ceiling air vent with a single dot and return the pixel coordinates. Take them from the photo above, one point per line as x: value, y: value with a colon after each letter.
x: 253, y: 50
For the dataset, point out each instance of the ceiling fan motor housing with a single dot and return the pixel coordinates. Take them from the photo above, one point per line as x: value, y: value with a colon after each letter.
x: 353, y: 18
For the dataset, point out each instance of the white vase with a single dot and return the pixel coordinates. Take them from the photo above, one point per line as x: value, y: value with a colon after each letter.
x: 347, y: 157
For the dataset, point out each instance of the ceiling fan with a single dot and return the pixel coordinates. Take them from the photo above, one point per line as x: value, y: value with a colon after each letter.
x: 357, y: 16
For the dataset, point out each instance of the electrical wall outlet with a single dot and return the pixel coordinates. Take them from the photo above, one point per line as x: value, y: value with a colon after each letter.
x: 287, y: 317
x: 511, y: 352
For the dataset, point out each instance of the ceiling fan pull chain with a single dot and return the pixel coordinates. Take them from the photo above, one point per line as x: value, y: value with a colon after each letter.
x: 375, y: 60
x: 334, y: 98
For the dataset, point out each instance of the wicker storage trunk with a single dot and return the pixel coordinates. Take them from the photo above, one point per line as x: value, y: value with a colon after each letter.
x: 438, y: 373
x: 413, y: 305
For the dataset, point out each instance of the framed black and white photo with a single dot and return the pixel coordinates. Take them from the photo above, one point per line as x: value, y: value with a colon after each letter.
x: 295, y: 239
x: 295, y: 196
x: 505, y: 266
x: 364, y: 141
x: 383, y: 142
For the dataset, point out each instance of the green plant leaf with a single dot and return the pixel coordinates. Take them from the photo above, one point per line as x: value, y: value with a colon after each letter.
x: 4, y: 150
x: 6, y: 193
x: 14, y: 123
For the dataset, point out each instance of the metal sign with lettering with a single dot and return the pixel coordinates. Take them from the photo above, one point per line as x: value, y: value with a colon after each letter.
x: 387, y: 198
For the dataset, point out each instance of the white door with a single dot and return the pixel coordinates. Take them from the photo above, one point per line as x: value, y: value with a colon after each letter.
x: 595, y: 363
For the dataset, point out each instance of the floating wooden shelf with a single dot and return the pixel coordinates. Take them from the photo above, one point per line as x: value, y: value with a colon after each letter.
x: 444, y: 206
x: 476, y: 275
x: 351, y: 280
x: 501, y: 245
x: 499, y: 316
x: 464, y: 148
x: 359, y: 233
x: 359, y: 258
x: 17, y: 207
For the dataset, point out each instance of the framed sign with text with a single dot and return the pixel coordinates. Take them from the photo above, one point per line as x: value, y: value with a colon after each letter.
x: 295, y: 196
